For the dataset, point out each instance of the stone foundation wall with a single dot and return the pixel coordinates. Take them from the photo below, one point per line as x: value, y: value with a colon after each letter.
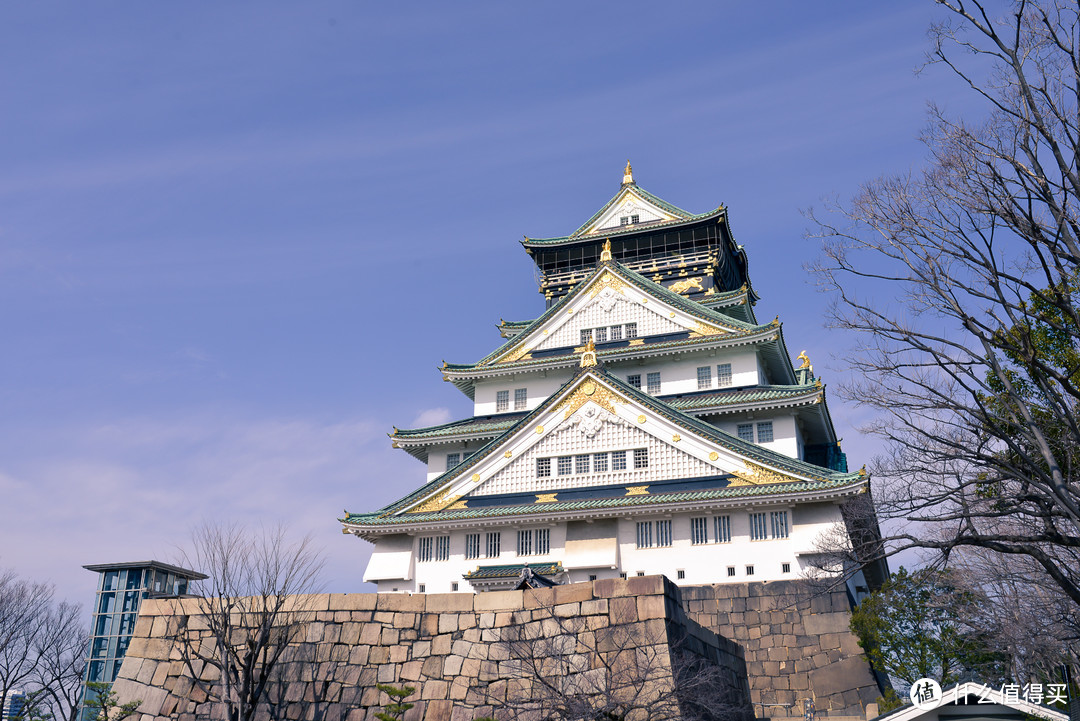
x: 464, y: 654
x: 797, y: 643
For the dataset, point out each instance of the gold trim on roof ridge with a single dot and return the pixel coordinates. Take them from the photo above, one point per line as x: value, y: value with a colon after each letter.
x: 588, y: 391
x: 757, y: 475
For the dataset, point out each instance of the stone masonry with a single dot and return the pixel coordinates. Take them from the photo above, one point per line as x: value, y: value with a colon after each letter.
x: 797, y: 644
x: 450, y: 647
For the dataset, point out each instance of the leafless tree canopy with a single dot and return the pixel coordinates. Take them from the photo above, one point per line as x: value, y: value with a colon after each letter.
x: 42, y: 645
x: 962, y: 283
x: 253, y: 602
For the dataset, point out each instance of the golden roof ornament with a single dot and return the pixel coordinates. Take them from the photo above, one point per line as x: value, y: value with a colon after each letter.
x: 804, y: 358
x: 628, y: 174
x: 588, y: 358
x: 605, y: 254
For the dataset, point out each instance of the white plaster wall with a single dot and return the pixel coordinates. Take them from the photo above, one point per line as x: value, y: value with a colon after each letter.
x: 703, y: 564
x: 539, y: 385
x: 680, y: 376
x: 785, y: 439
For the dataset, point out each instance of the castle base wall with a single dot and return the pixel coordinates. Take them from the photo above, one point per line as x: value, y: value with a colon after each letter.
x: 797, y: 643
x: 467, y: 656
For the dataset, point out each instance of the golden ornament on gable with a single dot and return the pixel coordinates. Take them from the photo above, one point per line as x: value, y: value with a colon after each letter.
x: 684, y: 285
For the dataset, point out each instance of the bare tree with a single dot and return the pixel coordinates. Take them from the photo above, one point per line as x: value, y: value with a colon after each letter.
x: 24, y: 613
x: 61, y: 651
x: 254, y: 601
x: 558, y: 666
x: 973, y: 357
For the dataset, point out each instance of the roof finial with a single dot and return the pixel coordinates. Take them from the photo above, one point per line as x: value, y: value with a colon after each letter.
x: 628, y: 174
x: 605, y: 254
x: 588, y: 358
x: 804, y: 358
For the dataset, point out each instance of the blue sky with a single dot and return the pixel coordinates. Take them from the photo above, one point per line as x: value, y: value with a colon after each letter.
x: 237, y: 239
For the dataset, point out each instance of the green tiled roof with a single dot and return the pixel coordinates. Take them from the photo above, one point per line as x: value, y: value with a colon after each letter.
x: 821, y: 478
x: 687, y: 402
x: 476, y: 424
x: 513, y: 570
x: 377, y: 520
x: 621, y: 230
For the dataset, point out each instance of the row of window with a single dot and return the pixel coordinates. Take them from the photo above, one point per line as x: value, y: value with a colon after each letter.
x: 502, y: 400
x: 652, y: 382
x: 530, y: 542
x: 629, y: 219
x: 609, y: 333
x: 591, y: 462
x: 650, y: 534
x: 764, y: 525
x: 764, y: 432
x: 723, y: 376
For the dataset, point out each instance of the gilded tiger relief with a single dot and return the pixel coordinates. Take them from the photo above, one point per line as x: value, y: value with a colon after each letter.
x: 683, y: 286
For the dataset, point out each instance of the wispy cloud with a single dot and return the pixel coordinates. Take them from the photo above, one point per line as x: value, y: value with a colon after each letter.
x: 132, y: 490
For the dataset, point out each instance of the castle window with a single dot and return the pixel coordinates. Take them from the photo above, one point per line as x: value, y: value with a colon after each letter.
x: 644, y: 534
x: 699, y: 531
x: 452, y: 459
x: 524, y: 543
x: 543, y: 467
x: 422, y: 588
x: 423, y: 549
x: 565, y: 465
x: 680, y: 574
x: 442, y: 548
x: 521, y: 398
x: 600, y: 334
x: 616, y: 332
x: 494, y: 544
x: 618, y: 460
x: 722, y: 529
x: 652, y: 386
x: 785, y: 568
x: 746, y: 432
x: 599, y: 461
x: 663, y: 533
x: 581, y: 463
x: 640, y: 573
x: 758, y: 530
x: 635, y: 219
x: 592, y: 576
x: 704, y: 377
x: 586, y: 334
x: 764, y: 432
x: 623, y: 575
x: 634, y: 380
x: 454, y: 586
x: 778, y: 520
x: 730, y: 570
x: 723, y: 375
x: 543, y: 541
x: 749, y: 570
x: 502, y: 401
x: 472, y: 545
x: 624, y: 220
x: 631, y: 330
x: 641, y: 458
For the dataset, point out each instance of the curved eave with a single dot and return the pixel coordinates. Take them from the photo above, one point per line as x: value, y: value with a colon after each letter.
x: 620, y: 231
x: 369, y: 526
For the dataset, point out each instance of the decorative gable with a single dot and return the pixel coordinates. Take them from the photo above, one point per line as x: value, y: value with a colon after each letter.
x: 609, y: 299
x: 595, y: 415
x: 627, y: 208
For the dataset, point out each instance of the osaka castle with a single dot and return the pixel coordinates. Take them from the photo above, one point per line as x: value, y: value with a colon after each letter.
x: 644, y: 423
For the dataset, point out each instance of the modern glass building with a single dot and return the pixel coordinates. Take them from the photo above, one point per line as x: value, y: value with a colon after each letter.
x: 121, y: 590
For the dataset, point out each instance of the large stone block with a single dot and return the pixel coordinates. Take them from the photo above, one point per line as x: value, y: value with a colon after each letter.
x: 400, y: 602
x: 352, y: 601
x: 449, y: 602
x: 499, y: 601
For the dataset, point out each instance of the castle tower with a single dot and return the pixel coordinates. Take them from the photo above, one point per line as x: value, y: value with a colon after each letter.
x: 644, y: 423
